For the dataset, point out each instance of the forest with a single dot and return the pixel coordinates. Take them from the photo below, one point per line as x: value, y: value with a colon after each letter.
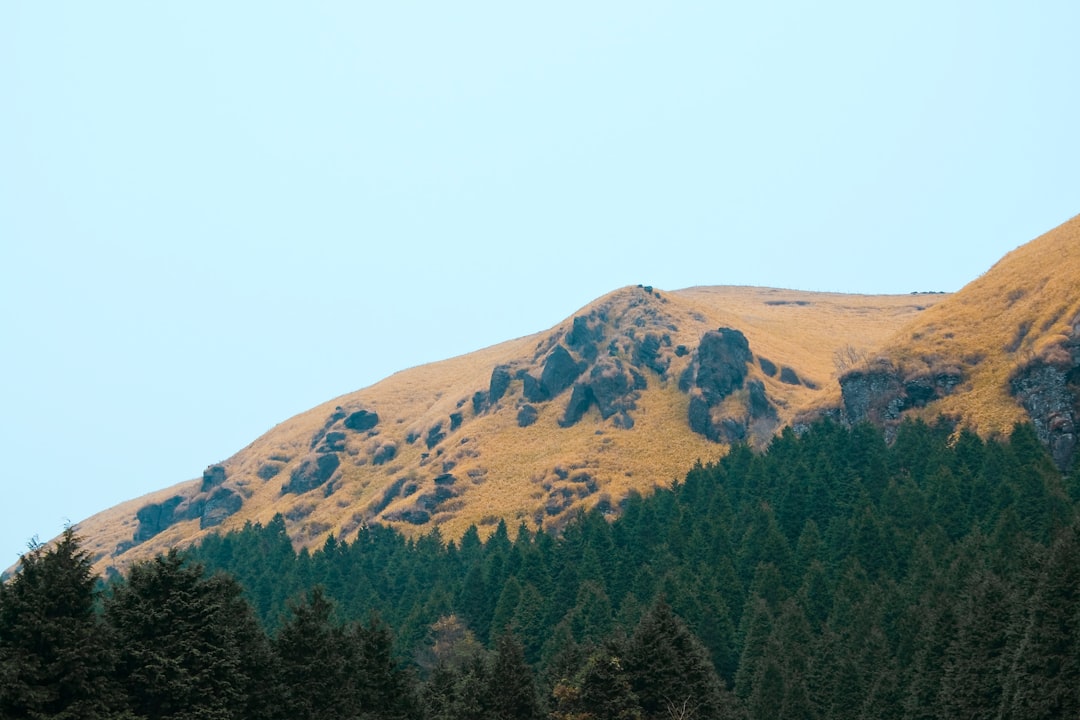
x: 831, y: 576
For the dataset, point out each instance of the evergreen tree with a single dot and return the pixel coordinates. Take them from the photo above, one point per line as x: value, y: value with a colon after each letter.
x: 311, y: 650
x: 600, y: 691
x: 513, y: 687
x: 189, y: 645
x: 55, y: 655
x: 1044, y: 679
x: 669, y: 668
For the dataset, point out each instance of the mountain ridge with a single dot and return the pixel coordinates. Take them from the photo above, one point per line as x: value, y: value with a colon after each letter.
x: 619, y: 395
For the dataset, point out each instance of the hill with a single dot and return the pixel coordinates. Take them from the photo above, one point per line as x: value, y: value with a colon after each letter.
x: 1005, y: 349
x: 624, y: 394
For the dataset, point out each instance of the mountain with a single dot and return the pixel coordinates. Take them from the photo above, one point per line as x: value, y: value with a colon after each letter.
x: 1005, y: 349
x: 625, y: 393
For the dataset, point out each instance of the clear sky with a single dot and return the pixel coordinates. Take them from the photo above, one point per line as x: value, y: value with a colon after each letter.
x: 215, y: 215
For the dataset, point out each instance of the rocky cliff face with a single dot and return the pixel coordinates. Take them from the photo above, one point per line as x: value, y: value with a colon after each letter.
x: 718, y: 371
x: 1048, y: 387
x: 882, y: 393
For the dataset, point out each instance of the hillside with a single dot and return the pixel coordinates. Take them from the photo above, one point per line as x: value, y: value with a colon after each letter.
x: 1002, y: 350
x: 623, y: 395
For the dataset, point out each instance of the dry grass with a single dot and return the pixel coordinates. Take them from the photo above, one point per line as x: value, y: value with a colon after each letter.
x: 505, y: 471
x: 1022, y: 308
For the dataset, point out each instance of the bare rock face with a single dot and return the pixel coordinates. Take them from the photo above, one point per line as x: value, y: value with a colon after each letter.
x: 559, y: 373
x: 612, y: 387
x: 719, y: 369
x: 881, y: 394
x: 314, y: 470
x: 1049, y: 389
x: 155, y: 517
x: 212, y: 477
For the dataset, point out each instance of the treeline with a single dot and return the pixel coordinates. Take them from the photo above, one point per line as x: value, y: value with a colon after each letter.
x: 832, y: 576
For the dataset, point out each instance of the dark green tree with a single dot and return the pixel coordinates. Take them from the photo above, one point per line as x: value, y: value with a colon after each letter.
x: 189, y: 645
x: 513, y: 687
x: 56, y: 658
x: 669, y: 668
x: 1044, y: 678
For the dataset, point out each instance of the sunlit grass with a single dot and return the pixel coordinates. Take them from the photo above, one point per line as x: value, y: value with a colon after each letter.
x: 505, y: 471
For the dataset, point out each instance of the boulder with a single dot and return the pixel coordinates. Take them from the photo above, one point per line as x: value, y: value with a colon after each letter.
x: 314, y: 470
x: 559, y: 373
x: 362, y: 420
x: 155, y: 517
x: 269, y: 469
x: 333, y: 442
x: 722, y: 359
x: 527, y: 416
x: 212, y: 477
x: 500, y: 382
x: 384, y: 454
x: 220, y: 505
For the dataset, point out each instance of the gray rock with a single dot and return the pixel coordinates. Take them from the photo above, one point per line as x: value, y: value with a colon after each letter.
x: 269, y: 470
x: 500, y: 382
x: 212, y: 477
x: 722, y: 359
x: 559, y: 373
x: 1049, y: 394
x: 155, y: 517
x: 313, y: 471
x: 362, y: 420
x: 527, y: 415
x: 220, y: 505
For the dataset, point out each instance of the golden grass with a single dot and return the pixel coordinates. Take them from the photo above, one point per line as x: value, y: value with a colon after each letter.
x: 505, y: 471
x: 981, y: 328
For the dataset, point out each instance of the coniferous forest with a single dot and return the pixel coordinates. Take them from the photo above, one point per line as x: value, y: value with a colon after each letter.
x: 833, y: 575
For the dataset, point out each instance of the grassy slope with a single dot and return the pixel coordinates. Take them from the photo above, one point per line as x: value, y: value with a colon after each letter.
x: 509, y: 472
x: 1021, y: 308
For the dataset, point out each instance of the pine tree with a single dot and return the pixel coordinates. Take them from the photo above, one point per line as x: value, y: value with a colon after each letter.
x: 1044, y: 679
x: 311, y: 650
x: 513, y: 687
x: 55, y: 654
x: 189, y: 645
x: 601, y: 690
x: 669, y: 667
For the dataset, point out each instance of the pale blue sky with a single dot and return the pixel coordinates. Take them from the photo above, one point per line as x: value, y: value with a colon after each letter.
x: 216, y: 215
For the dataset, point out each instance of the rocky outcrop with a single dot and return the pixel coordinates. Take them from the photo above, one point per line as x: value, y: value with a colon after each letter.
x: 384, y: 453
x: 499, y: 383
x: 209, y: 508
x: 882, y: 393
x: 720, y: 365
x: 527, y: 415
x: 362, y: 421
x: 718, y: 370
x: 586, y: 335
x: 559, y: 373
x: 222, y: 503
x: 647, y: 353
x: 612, y: 387
x: 212, y: 477
x: 314, y: 470
x: 1048, y: 388
x: 155, y: 517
